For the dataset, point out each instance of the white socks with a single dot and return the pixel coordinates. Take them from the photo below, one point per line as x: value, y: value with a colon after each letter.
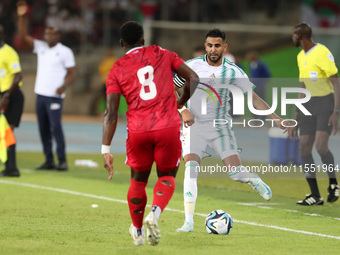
x: 241, y: 174
x: 190, y: 189
x: 156, y: 211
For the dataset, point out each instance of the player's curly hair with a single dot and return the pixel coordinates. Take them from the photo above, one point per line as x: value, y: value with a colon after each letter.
x: 216, y: 33
x: 131, y: 32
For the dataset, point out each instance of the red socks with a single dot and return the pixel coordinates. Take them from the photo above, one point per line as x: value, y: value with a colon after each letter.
x: 137, y: 200
x: 163, y: 191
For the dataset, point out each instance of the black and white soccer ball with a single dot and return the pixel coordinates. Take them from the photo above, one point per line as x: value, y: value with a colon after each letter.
x: 218, y: 222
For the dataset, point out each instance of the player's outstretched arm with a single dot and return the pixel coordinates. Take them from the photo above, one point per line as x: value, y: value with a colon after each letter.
x: 260, y: 104
x: 109, y: 129
x: 22, y: 24
x: 187, y: 117
x: 191, y: 81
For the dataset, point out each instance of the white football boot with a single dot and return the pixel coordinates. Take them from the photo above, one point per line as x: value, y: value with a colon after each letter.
x: 152, y: 230
x: 187, y: 227
x: 137, y: 239
x: 262, y: 188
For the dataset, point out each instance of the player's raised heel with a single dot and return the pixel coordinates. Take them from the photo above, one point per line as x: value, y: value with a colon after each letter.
x: 138, y: 238
x: 262, y: 188
x: 187, y: 227
x: 152, y: 231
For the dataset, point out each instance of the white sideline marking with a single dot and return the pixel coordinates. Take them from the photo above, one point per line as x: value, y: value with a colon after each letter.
x: 265, y: 207
x: 287, y: 210
x: 256, y: 204
x: 168, y: 209
x: 295, y: 211
x: 63, y: 191
x: 27, y: 171
x: 313, y: 214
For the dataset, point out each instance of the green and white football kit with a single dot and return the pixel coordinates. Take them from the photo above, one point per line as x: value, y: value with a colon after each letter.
x: 210, y: 102
x: 207, y: 106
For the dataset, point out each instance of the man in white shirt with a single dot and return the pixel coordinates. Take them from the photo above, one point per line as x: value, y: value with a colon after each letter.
x: 55, y: 72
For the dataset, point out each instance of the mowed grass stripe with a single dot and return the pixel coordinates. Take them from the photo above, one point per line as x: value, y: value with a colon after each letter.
x: 168, y: 209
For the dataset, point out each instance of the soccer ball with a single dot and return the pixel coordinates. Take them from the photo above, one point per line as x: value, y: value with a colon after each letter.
x: 218, y: 222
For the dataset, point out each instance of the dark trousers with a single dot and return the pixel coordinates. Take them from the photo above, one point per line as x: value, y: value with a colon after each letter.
x: 49, y: 111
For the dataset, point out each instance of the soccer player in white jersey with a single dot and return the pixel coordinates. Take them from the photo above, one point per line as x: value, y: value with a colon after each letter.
x: 200, y: 133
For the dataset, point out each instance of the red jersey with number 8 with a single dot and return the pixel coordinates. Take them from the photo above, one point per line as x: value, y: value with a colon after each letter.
x: 144, y: 77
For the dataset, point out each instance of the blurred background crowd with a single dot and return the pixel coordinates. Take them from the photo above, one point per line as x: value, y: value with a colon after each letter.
x: 91, y: 29
x: 97, y: 22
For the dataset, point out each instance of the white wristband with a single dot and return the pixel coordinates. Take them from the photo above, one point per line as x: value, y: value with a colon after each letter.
x: 182, y: 109
x: 105, y: 149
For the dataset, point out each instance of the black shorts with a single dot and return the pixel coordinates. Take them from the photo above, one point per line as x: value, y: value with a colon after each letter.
x: 15, y: 107
x: 321, y: 109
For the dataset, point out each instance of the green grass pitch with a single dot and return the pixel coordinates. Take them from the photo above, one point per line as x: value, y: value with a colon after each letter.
x: 49, y: 212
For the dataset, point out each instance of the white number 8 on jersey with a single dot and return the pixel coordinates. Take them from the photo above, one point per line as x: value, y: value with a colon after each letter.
x: 147, y: 83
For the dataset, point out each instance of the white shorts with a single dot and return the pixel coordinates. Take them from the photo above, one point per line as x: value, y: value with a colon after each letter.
x: 197, y: 137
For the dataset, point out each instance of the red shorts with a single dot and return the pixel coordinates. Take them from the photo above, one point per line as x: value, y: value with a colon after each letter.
x: 161, y: 146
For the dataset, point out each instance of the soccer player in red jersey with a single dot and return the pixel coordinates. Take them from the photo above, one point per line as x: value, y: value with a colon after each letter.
x: 144, y: 77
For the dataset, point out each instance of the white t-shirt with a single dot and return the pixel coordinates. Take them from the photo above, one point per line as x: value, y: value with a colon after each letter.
x: 52, y: 67
x: 216, y: 77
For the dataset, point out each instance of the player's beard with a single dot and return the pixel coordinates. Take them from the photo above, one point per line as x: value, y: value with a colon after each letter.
x: 214, y: 60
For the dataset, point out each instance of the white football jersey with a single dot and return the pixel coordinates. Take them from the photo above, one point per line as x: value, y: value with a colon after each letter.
x: 204, y: 103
